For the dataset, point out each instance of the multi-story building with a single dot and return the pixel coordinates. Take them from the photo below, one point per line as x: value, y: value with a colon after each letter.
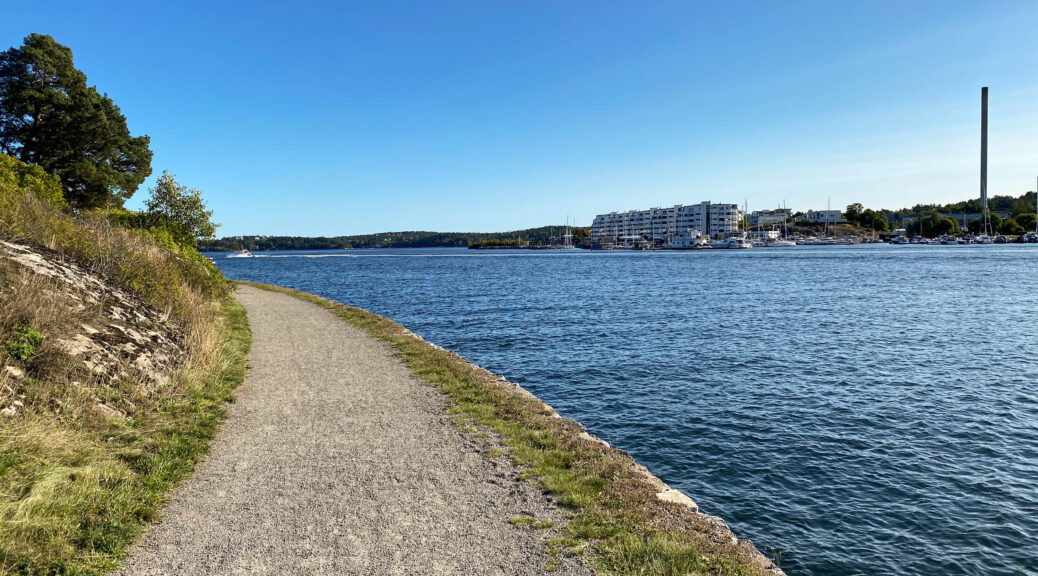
x: 766, y: 217
x: 714, y: 220
x: 820, y: 216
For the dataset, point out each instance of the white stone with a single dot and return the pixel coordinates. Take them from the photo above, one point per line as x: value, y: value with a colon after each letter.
x: 678, y: 497
x: 14, y: 371
x: 107, y: 411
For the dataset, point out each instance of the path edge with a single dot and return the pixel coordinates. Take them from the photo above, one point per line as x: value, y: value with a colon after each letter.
x: 672, y: 515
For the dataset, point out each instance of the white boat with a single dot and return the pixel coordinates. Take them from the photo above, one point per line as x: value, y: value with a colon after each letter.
x: 243, y: 253
x: 949, y: 240
x: 778, y: 243
x: 734, y: 242
x: 984, y: 239
x: 900, y: 240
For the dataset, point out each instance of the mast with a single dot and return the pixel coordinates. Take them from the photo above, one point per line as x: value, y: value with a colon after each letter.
x: 785, y: 219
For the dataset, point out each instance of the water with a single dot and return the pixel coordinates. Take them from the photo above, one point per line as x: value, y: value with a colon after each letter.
x: 860, y: 410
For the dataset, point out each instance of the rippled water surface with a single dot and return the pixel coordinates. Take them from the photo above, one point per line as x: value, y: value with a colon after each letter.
x: 861, y: 410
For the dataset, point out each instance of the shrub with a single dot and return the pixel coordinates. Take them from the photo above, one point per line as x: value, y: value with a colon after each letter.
x: 16, y: 178
x: 148, y: 263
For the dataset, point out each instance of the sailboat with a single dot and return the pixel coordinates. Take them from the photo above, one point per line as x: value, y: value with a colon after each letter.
x: 783, y: 242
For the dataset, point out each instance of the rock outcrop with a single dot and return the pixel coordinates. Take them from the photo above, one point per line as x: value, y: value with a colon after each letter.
x: 107, y: 331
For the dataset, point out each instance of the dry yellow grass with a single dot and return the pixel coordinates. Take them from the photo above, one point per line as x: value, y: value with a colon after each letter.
x: 87, y: 457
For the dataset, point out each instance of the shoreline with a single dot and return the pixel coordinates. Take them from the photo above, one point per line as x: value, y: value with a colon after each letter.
x: 628, y: 516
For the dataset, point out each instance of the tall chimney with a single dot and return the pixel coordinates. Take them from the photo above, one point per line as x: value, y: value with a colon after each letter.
x: 984, y: 149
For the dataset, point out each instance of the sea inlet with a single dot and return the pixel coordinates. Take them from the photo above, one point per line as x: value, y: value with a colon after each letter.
x: 853, y: 410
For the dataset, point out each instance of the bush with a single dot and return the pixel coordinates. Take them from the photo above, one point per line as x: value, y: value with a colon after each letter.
x: 148, y: 263
x: 18, y: 178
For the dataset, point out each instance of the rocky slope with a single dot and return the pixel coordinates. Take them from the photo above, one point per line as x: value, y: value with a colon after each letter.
x: 98, y: 335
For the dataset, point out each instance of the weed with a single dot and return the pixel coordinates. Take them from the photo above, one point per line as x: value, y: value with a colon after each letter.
x: 26, y: 339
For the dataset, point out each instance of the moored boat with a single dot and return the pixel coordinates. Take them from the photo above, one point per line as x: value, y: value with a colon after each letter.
x: 733, y: 242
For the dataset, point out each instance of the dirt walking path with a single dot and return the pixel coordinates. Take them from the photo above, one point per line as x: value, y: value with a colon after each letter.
x: 335, y: 460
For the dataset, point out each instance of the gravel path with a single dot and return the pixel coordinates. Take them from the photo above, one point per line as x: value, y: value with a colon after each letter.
x: 335, y: 460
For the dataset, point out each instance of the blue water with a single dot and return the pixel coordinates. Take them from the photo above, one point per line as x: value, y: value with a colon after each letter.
x: 851, y: 409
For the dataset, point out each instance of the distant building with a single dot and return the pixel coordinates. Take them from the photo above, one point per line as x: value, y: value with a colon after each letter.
x: 661, y: 224
x: 764, y: 235
x: 766, y: 217
x: 820, y: 216
x: 963, y: 219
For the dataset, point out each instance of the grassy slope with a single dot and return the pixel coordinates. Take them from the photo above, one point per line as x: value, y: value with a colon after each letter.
x: 76, y: 495
x: 615, y: 514
x: 77, y: 485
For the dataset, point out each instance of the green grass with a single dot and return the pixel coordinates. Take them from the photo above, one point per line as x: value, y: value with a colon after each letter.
x: 74, y: 495
x: 613, y: 512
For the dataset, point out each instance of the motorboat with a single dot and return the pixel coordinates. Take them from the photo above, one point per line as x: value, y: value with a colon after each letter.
x: 900, y: 240
x: 949, y: 240
x: 734, y: 242
x: 778, y: 243
x: 243, y: 253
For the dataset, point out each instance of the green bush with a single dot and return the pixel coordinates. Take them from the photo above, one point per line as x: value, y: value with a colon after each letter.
x: 148, y: 263
x: 18, y: 178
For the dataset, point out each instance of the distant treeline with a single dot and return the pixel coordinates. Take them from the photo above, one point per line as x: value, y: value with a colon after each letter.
x: 542, y: 235
x: 1023, y: 204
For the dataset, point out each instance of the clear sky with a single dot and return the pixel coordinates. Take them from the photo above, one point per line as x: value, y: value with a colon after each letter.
x: 331, y: 118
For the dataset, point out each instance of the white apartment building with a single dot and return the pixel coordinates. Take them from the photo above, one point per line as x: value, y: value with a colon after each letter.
x: 819, y: 216
x: 715, y: 220
x: 766, y: 217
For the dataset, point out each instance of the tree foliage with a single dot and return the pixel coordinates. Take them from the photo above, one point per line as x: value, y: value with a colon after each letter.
x: 180, y: 211
x: 977, y: 226
x: 1026, y: 221
x: 410, y: 239
x: 51, y: 118
x: 1011, y: 226
x: 853, y: 212
x: 933, y: 225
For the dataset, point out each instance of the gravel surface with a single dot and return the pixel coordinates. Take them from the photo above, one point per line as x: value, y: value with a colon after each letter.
x: 335, y: 460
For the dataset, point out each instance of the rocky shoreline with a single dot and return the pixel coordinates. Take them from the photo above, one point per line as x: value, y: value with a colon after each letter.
x: 679, y: 502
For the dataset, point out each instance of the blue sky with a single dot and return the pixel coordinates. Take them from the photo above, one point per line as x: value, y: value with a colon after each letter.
x: 329, y: 118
